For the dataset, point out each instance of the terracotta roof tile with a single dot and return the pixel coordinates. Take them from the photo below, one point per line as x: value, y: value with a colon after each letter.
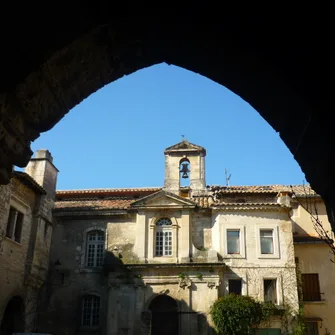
x: 248, y: 206
x: 297, y: 189
x: 106, y: 191
x: 93, y: 204
x: 121, y: 198
x: 203, y: 201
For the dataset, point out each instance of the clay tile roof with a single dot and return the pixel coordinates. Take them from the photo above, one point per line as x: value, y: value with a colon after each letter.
x: 93, y: 204
x: 106, y: 191
x: 100, y: 199
x: 235, y: 206
x: 299, y: 190
x: 203, y: 201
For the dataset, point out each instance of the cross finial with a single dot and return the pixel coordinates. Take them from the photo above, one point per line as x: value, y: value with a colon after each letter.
x: 183, y: 136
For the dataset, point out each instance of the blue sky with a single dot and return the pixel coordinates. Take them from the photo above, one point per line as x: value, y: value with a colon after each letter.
x: 116, y: 137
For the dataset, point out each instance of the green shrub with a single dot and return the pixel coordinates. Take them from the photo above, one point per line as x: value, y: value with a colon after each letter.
x: 236, y: 315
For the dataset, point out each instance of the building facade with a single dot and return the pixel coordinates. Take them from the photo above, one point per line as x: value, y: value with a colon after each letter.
x: 154, y: 260
x: 25, y: 237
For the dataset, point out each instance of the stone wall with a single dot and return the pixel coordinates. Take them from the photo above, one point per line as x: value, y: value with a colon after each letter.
x: 13, y: 255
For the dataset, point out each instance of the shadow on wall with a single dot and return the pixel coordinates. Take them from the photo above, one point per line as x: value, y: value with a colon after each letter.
x: 127, y: 304
x: 160, y: 313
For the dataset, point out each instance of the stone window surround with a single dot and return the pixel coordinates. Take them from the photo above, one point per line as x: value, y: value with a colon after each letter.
x: 276, y: 249
x: 21, y: 206
x: 241, y: 228
x: 229, y: 276
x: 152, y: 239
x: 83, y: 248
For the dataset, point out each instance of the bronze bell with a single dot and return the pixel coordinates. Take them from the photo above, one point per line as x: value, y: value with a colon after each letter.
x: 185, y: 170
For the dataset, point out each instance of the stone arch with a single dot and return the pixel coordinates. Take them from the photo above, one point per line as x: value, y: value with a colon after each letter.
x: 44, y: 79
x: 13, y: 319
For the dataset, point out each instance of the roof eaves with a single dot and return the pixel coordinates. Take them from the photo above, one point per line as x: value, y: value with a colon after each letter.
x: 29, y: 181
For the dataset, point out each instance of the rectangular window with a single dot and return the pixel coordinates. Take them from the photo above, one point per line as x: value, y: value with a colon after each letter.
x: 14, y: 224
x: 164, y: 243
x: 310, y: 287
x: 270, y: 290
x: 266, y: 236
x: 235, y: 286
x: 233, y: 241
x: 312, y: 328
x: 90, y: 311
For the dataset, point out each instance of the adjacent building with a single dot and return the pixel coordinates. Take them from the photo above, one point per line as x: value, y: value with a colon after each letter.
x: 26, y: 206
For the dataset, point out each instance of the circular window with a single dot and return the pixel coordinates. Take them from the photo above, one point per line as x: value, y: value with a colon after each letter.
x: 164, y: 222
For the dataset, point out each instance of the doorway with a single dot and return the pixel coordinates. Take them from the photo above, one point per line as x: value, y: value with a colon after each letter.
x: 13, y: 320
x: 164, y: 316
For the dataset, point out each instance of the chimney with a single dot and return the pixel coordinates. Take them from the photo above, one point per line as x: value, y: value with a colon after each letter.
x: 284, y: 198
x: 42, y: 170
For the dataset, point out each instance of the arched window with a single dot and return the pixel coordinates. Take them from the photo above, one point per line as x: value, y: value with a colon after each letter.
x: 164, y: 237
x: 90, y: 311
x: 95, y: 248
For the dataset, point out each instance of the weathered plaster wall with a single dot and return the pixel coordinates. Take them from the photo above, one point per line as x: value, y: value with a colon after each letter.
x: 316, y: 258
x: 250, y: 264
x: 303, y: 224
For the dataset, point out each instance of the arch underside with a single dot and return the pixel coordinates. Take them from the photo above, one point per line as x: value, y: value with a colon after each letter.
x: 278, y: 66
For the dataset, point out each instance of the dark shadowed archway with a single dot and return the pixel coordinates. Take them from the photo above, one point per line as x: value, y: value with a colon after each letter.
x: 13, y: 318
x: 164, y: 316
x: 279, y: 63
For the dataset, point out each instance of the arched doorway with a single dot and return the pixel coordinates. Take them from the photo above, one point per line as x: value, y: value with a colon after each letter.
x: 13, y: 318
x: 164, y: 319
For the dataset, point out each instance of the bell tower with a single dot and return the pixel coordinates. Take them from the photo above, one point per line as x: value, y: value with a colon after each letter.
x: 185, y: 168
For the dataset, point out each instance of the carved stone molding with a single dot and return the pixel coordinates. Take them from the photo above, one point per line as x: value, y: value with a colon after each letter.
x: 213, y: 284
x: 185, y: 283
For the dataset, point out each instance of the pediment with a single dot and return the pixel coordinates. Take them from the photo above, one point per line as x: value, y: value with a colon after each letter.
x: 163, y: 199
x: 185, y: 146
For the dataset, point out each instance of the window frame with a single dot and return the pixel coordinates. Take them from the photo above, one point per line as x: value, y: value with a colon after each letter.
x: 235, y: 280
x: 242, y: 235
x: 235, y: 276
x: 267, y: 238
x: 239, y: 241
x: 276, y: 249
x: 96, y: 243
x: 11, y: 233
x: 315, y: 325
x: 91, y: 326
x: 163, y: 229
x: 318, y: 293
x: 276, y: 289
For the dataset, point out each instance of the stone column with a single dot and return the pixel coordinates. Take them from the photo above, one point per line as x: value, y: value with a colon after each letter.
x: 141, y: 238
x: 151, y: 239
x: 184, y: 238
